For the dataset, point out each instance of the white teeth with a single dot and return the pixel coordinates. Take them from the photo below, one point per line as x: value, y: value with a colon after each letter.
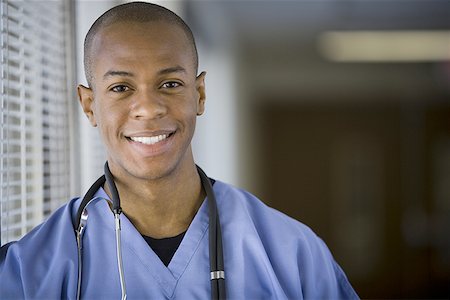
x: 149, y: 140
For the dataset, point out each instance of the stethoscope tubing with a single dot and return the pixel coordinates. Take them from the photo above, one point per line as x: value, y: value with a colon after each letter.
x: 215, y: 242
x: 117, y: 210
x: 80, y: 227
x: 217, y: 273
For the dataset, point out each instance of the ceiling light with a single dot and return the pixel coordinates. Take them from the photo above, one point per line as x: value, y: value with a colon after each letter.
x: 385, y: 46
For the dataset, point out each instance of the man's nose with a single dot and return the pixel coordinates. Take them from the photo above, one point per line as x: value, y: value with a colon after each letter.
x: 148, y: 105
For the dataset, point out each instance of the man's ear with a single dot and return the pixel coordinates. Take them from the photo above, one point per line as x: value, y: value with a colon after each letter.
x: 86, y: 98
x: 200, y: 86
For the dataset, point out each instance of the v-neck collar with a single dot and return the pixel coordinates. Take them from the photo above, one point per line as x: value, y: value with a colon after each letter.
x: 167, y: 277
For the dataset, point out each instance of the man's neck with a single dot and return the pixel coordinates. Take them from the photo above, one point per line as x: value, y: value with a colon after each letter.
x: 164, y: 207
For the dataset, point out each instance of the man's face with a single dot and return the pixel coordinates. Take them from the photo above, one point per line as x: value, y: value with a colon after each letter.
x: 145, y: 97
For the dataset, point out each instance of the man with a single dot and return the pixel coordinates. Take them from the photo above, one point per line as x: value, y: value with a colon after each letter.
x: 144, y: 96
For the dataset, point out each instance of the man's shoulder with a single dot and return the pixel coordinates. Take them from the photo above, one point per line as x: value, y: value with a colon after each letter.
x: 290, y: 246
x: 245, y: 213
x: 57, y: 229
x: 42, y: 260
x: 243, y: 202
x: 276, y: 231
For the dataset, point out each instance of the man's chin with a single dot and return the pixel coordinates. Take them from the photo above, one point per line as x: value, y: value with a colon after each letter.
x: 152, y: 172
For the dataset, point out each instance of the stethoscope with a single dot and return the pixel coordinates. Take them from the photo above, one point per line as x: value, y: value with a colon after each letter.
x: 215, y: 236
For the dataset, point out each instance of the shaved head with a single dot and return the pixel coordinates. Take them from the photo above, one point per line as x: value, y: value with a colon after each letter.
x: 140, y: 12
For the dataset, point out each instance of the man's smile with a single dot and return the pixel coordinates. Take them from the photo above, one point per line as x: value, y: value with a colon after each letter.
x: 151, y: 143
x: 149, y: 140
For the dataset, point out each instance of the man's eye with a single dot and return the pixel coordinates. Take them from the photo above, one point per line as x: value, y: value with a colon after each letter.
x: 171, y: 85
x: 120, y: 88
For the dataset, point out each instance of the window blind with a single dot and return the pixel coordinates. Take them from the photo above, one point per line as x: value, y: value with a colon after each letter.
x: 34, y: 120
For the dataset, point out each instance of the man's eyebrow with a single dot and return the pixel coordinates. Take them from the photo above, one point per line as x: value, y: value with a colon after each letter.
x: 176, y: 69
x: 117, y: 73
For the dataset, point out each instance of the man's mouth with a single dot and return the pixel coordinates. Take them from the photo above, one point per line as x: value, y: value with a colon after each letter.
x: 150, y: 140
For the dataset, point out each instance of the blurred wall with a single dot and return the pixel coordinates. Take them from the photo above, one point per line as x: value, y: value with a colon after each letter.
x: 350, y: 136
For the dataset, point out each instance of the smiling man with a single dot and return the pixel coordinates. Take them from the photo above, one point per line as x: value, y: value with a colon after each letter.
x: 144, y: 96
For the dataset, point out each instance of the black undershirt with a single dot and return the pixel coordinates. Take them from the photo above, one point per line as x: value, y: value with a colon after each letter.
x: 165, y: 248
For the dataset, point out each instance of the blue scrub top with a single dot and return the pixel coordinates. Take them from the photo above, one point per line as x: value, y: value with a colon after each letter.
x: 267, y: 255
